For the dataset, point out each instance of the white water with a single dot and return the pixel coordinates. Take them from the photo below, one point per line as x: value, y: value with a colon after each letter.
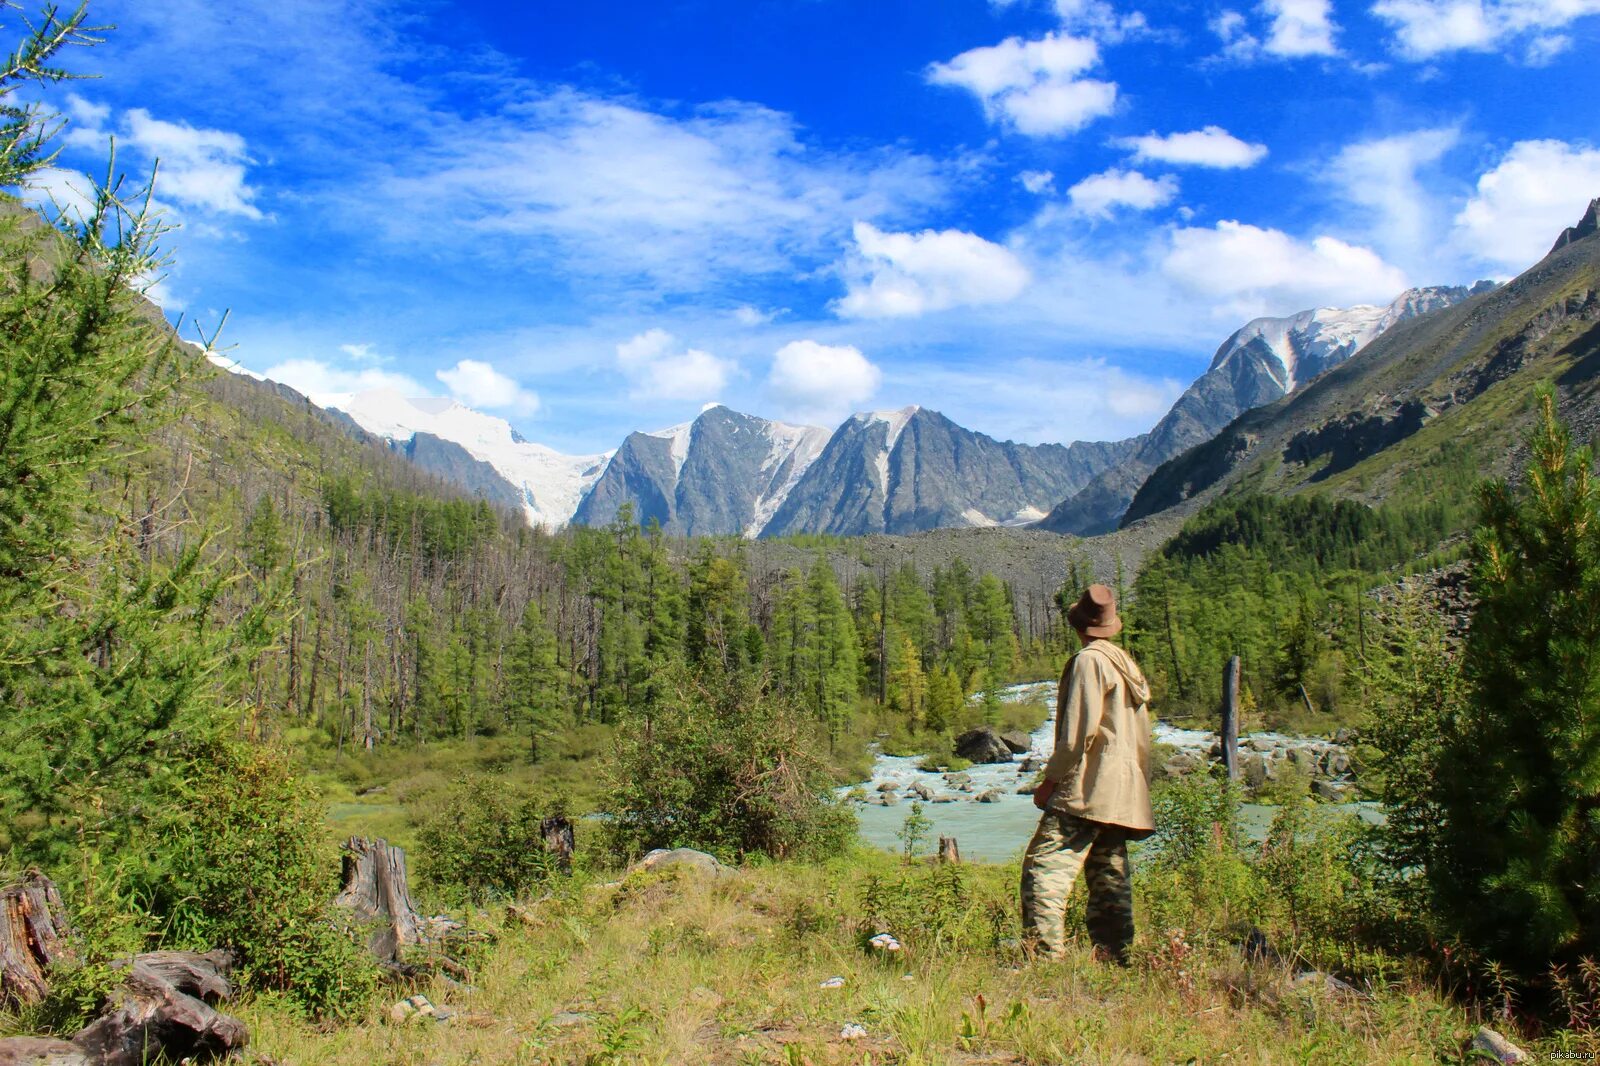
x: 998, y: 831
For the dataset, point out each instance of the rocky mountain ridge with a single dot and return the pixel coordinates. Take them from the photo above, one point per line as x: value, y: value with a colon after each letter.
x: 1424, y: 410
x: 1260, y: 362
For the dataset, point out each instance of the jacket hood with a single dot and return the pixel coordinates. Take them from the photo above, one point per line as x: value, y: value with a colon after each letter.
x: 1138, y: 687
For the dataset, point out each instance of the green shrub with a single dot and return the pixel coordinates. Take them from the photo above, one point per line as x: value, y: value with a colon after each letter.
x: 1195, y: 873
x: 248, y: 868
x: 483, y: 843
x: 716, y: 761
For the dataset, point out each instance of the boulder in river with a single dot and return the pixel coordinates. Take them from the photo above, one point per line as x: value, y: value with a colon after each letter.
x: 1018, y: 741
x: 991, y: 796
x: 1333, y: 791
x: 982, y: 745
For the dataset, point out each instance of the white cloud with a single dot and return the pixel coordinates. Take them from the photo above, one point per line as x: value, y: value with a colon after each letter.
x: 1097, y: 18
x: 363, y: 353
x: 746, y: 315
x: 1258, y: 271
x: 661, y: 369
x: 891, y: 275
x: 1521, y: 206
x: 1034, y: 87
x: 1037, y: 182
x: 1099, y: 195
x: 1233, y: 30
x: 1428, y: 28
x: 616, y: 191
x: 319, y: 379
x: 1380, y: 178
x: 480, y: 385
x: 58, y: 190
x: 1299, y: 28
x: 1100, y: 20
x: 821, y: 382
x: 1212, y: 146
x: 200, y: 168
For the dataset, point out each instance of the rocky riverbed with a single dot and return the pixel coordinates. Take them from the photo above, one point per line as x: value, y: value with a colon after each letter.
x: 988, y: 807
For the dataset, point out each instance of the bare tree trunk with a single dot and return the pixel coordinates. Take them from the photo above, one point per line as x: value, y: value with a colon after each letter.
x: 1230, y: 718
x: 949, y: 850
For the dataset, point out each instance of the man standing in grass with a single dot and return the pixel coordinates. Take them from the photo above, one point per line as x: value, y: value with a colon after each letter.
x: 1096, y: 790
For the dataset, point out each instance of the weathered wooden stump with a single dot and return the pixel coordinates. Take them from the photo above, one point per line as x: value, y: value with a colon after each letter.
x: 949, y: 850
x: 165, y: 1005
x: 558, y: 841
x: 376, y: 892
x: 33, y: 934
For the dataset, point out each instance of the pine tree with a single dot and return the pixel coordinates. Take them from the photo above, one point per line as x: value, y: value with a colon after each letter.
x: 945, y: 700
x: 535, y: 682
x: 1519, y: 784
x: 113, y: 667
x: 907, y: 683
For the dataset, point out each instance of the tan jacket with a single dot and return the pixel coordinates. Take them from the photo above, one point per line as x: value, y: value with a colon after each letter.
x: 1101, y: 764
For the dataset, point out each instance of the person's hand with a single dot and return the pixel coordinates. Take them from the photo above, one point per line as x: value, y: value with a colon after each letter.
x: 1042, y: 794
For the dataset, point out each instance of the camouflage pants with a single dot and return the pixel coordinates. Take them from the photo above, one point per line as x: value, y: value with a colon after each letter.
x: 1064, y: 846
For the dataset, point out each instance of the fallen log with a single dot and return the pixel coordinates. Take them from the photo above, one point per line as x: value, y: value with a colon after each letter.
x: 163, y: 1009
x: 41, y: 1051
x: 164, y: 1006
x: 34, y: 934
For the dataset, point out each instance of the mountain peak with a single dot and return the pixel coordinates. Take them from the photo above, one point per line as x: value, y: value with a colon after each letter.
x: 895, y: 421
x: 1588, y: 225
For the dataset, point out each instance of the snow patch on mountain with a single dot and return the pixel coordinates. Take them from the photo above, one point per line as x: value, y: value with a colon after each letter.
x: 678, y: 438
x: 974, y: 517
x: 230, y: 365
x: 1325, y: 336
x: 552, y: 483
x: 798, y: 446
x: 894, y: 420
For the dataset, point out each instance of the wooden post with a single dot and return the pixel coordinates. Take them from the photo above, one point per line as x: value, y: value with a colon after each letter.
x: 949, y: 850
x: 1230, y: 718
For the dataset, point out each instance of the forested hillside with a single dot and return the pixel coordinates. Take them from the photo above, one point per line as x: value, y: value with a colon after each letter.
x: 419, y: 613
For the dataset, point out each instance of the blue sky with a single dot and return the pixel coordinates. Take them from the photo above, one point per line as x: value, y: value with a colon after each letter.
x: 1038, y: 216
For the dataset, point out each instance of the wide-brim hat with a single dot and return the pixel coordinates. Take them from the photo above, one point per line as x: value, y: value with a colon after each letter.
x: 1095, y: 613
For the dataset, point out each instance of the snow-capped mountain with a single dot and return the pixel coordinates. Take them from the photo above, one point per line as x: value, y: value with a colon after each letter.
x: 723, y: 473
x: 1260, y: 362
x: 545, y: 483
x: 914, y: 469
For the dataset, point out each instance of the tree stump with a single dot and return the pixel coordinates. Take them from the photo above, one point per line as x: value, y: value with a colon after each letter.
x: 949, y: 850
x: 164, y: 1007
x: 33, y: 934
x: 376, y: 891
x: 558, y: 841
